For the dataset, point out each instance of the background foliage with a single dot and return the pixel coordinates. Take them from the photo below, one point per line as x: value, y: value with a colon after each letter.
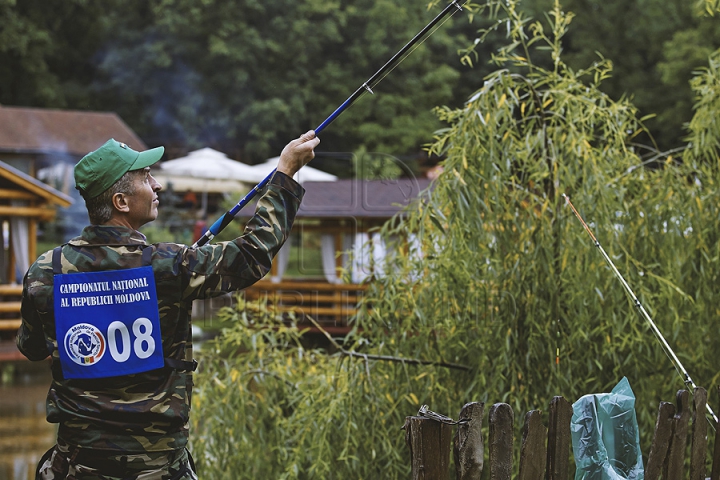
x: 240, y: 76
x: 244, y: 77
x: 507, y: 278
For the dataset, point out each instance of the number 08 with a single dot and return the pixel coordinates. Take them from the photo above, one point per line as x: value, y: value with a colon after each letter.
x: 143, y: 346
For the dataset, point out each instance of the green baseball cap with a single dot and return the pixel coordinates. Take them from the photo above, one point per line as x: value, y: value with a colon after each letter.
x: 99, y: 170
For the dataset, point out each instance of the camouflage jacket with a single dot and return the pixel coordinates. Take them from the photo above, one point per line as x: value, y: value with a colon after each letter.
x: 147, y: 411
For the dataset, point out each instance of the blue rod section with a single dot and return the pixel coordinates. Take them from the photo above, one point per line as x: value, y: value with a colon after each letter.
x: 334, y: 115
x: 223, y: 221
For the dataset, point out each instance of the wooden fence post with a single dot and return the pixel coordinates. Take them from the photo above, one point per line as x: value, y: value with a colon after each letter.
x: 500, y: 442
x: 715, y: 475
x: 469, y: 448
x: 429, y: 443
x: 699, y: 435
x: 533, y: 451
x: 558, y: 450
x: 676, y: 456
x: 661, y: 441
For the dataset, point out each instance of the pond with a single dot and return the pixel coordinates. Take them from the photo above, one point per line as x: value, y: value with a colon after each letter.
x: 24, y: 433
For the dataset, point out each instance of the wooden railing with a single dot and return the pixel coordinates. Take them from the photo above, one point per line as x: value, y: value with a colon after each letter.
x: 331, y: 305
x: 10, y: 307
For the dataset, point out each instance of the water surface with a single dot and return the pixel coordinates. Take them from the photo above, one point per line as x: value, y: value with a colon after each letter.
x: 24, y: 433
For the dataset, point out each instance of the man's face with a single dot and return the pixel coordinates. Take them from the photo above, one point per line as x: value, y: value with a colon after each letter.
x: 144, y: 202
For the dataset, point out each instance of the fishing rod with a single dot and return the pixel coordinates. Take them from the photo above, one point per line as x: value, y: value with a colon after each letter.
x: 367, y: 86
x: 668, y: 351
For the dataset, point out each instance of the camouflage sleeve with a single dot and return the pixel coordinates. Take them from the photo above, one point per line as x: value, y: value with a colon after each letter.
x: 30, y: 337
x: 236, y: 264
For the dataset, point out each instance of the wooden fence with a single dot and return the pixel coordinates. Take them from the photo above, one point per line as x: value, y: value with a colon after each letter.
x: 545, y: 452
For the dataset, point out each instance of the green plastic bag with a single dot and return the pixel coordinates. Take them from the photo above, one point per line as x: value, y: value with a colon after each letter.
x: 605, y: 436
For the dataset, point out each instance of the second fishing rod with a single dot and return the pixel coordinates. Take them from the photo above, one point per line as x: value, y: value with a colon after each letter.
x: 366, y: 87
x: 643, y: 312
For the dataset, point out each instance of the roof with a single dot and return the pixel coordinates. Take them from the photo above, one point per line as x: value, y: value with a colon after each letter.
x: 12, y: 177
x: 39, y: 130
x: 356, y: 198
x: 360, y: 198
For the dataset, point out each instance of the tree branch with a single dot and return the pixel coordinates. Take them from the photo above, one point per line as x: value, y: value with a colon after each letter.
x: 386, y: 358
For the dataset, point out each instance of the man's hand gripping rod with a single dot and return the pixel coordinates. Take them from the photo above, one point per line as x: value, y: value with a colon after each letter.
x: 668, y: 351
x: 448, y: 11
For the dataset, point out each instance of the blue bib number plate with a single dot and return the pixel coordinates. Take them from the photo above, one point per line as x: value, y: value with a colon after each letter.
x: 107, y: 323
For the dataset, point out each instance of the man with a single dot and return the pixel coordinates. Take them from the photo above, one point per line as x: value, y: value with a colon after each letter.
x: 114, y: 315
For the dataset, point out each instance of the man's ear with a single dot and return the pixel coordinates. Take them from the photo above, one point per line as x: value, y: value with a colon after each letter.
x: 120, y: 204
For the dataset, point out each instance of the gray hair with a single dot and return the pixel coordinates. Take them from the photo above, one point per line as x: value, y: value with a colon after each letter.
x: 100, y: 208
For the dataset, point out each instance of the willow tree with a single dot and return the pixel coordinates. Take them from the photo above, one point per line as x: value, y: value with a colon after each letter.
x: 504, y: 298
x: 710, y: 7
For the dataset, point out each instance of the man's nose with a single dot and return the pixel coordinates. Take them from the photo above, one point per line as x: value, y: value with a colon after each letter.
x: 156, y: 186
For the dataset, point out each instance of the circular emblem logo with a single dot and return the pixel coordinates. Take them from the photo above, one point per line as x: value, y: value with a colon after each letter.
x: 84, y: 344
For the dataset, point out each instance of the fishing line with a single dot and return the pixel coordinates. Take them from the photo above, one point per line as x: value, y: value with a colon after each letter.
x: 426, y: 36
x: 557, y: 343
x: 395, y: 60
x: 666, y: 347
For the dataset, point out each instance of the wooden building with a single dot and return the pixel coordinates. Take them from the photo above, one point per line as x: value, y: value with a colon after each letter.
x: 24, y: 201
x: 337, y: 220
x: 33, y: 140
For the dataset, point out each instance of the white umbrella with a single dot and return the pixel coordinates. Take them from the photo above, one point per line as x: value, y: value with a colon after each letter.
x: 306, y: 173
x: 209, y: 163
x: 207, y: 170
x: 182, y: 183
